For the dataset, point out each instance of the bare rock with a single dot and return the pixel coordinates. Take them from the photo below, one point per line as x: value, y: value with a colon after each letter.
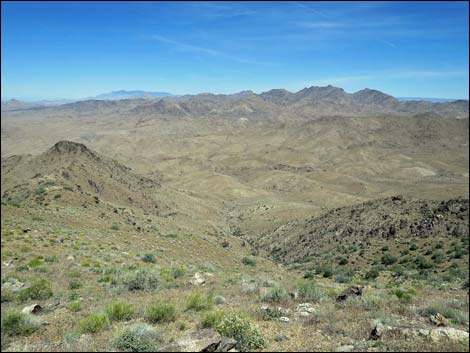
x: 449, y: 333
x: 351, y: 291
x: 438, y: 320
x: 198, y: 279
x: 32, y: 309
x: 206, y: 340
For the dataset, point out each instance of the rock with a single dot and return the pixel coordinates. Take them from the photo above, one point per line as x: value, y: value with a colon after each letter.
x: 206, y: 340
x: 70, y: 258
x: 438, y: 320
x: 197, y: 280
x: 32, y: 309
x: 225, y: 244
x: 12, y: 284
x: 305, y: 307
x: 280, y: 338
x: 294, y: 295
x: 304, y: 314
x: 449, y: 333
x: 377, y: 332
x: 346, y: 348
x: 26, y: 230
x: 8, y: 263
x: 284, y: 319
x: 353, y: 290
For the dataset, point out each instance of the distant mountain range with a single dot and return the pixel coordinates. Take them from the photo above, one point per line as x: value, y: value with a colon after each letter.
x: 434, y: 100
x: 274, y: 104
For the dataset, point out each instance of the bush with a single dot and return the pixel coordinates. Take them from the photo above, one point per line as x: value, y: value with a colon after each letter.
x: 218, y: 299
x: 15, y: 323
x: 161, y: 312
x: 422, y: 263
x: 39, y: 290
x: 373, y: 273
x: 149, y: 258
x: 210, y: 319
x: 92, y: 323
x: 413, y: 247
x: 308, y: 290
x: 249, y: 261
x: 118, y: 311
x: 115, y: 226
x: 74, y: 306
x: 241, y: 330
x: 276, y: 294
x: 343, y: 261
x: 142, y: 279
x: 138, y: 338
x: 327, y: 271
x: 74, y: 284
x: 402, y: 295
x: 198, y: 301
x: 388, y: 259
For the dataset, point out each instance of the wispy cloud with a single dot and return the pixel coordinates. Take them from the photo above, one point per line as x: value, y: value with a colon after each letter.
x: 390, y: 44
x: 310, y: 9
x: 199, y: 49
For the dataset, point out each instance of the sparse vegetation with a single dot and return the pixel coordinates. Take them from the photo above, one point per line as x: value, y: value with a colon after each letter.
x: 160, y: 312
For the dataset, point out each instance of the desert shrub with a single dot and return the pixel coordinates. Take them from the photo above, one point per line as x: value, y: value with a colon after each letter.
x: 74, y: 284
x: 243, y: 331
x: 149, y: 258
x: 51, y: 258
x: 403, y: 295
x: 7, y: 296
x: 455, y: 316
x: 198, y: 301
x: 115, y: 226
x: 57, y: 196
x: 384, y: 248
x: 373, y: 273
x: 211, y: 318
x: 119, y: 311
x: 413, y: 247
x: 276, y: 294
x: 15, y: 323
x: 271, y: 313
x: 138, y: 338
x: 438, y: 257
x: 218, y: 299
x: 398, y: 270
x: 160, y: 312
x: 93, y: 323
x: 38, y: 261
x: 74, y: 306
x: 422, y: 263
x: 38, y: 290
x: 388, y: 259
x: 141, y: 279
x: 309, y: 275
x: 308, y: 290
x: 249, y: 261
x: 327, y: 271
x: 343, y: 261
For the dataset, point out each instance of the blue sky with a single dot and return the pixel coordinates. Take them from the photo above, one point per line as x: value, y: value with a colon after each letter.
x: 79, y: 49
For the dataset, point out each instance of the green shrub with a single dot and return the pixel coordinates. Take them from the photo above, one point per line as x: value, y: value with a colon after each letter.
x: 327, y: 271
x: 39, y: 290
x: 211, y: 318
x: 36, y: 262
x: 74, y: 284
x: 161, y: 312
x: 309, y: 275
x: 343, y: 261
x: 422, y: 263
x: 388, y: 259
x: 455, y: 316
x: 402, y: 295
x: 142, y: 279
x: 249, y: 261
x: 198, y: 301
x: 218, y: 299
x: 93, y: 323
x: 51, y: 258
x: 413, y: 247
x: 115, y: 226
x: 119, y: 311
x: 75, y: 306
x: 276, y: 294
x: 373, y: 273
x: 138, y: 338
x: 15, y: 323
x: 243, y: 331
x: 149, y: 258
x: 308, y: 290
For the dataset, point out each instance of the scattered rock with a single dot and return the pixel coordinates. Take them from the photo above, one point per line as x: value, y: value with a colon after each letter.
x: 32, y: 309
x: 448, y: 333
x: 197, y: 280
x: 345, y: 348
x: 206, y: 340
x: 70, y: 258
x: 353, y: 290
x: 281, y: 338
x: 284, y: 319
x: 12, y: 284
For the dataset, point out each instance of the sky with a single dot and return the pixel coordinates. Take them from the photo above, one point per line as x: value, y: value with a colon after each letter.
x: 55, y: 50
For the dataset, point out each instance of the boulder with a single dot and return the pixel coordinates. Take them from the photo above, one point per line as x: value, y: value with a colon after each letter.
x: 438, y: 320
x: 197, y: 279
x: 449, y: 333
x: 345, y: 348
x: 32, y: 309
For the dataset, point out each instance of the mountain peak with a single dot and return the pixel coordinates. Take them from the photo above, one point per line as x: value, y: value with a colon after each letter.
x: 65, y: 147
